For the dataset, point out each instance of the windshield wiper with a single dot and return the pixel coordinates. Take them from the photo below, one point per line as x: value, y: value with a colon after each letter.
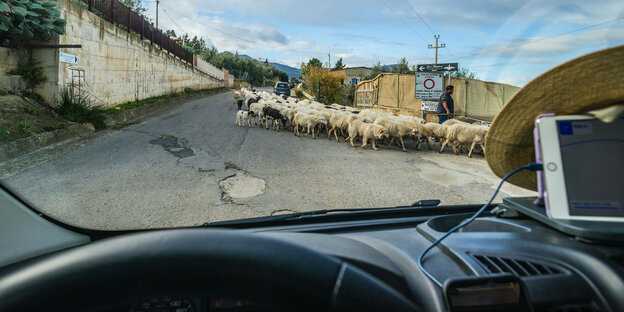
x: 428, y: 203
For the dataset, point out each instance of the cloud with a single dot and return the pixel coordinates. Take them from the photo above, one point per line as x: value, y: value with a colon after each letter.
x: 516, y: 81
x: 365, y: 32
x: 557, y: 46
x: 368, y: 39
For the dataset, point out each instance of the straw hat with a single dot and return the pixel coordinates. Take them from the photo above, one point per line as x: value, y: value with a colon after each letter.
x: 590, y: 82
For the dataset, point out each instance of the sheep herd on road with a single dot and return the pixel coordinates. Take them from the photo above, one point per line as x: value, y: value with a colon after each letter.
x: 305, y: 117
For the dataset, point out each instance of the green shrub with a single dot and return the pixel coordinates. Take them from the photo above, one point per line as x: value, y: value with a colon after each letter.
x: 30, y: 19
x: 31, y: 72
x: 299, y: 93
x: 78, y: 108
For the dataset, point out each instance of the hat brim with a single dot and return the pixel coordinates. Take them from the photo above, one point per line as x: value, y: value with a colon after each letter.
x: 590, y: 82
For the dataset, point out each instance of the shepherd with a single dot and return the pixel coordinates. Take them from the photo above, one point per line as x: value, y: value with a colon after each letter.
x: 446, y: 106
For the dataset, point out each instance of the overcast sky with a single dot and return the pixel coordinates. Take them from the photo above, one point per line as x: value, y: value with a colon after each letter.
x: 509, y: 41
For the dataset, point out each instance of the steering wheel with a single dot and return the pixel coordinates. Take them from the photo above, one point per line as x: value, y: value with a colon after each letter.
x: 273, y: 273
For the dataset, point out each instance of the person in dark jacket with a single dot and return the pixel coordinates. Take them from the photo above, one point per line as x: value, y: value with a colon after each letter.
x: 446, y: 106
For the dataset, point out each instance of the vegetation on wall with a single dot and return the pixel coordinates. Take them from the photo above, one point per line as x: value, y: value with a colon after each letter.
x: 31, y: 72
x: 27, y: 19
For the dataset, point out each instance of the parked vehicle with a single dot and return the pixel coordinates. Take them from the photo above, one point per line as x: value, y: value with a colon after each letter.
x: 281, y: 88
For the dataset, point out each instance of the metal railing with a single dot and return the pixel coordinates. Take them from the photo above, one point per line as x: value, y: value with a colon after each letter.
x: 122, y: 15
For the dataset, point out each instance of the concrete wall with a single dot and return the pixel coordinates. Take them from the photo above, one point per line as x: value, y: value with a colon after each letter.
x: 120, y: 67
x: 9, y: 60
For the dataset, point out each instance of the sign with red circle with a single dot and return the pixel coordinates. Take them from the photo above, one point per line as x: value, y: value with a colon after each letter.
x: 429, y: 84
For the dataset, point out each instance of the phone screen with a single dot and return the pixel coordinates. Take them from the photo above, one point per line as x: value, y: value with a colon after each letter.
x: 592, y: 154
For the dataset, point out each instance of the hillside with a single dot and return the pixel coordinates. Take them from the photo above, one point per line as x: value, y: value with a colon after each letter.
x: 290, y: 71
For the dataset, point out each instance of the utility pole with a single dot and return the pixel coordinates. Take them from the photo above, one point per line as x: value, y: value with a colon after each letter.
x: 329, y: 65
x: 436, y: 47
x: 157, y: 1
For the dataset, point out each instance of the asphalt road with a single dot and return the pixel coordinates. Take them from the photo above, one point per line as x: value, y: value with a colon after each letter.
x: 193, y: 165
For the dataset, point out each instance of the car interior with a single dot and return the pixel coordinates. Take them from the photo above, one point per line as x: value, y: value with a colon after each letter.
x: 509, y: 259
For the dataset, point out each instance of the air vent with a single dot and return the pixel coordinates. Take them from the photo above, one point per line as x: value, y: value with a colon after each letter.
x: 573, y: 308
x: 518, y: 267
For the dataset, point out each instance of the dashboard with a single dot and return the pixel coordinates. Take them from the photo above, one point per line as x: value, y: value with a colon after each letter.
x: 559, y: 272
x: 496, y: 263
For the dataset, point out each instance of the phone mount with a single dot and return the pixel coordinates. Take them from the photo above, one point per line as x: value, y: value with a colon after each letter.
x: 595, y: 231
x: 541, y: 188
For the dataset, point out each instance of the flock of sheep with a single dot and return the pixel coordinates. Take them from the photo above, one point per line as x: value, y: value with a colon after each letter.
x: 305, y: 117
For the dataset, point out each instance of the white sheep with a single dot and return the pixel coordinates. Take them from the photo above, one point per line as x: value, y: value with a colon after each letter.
x: 307, y: 121
x: 396, y: 129
x: 465, y: 134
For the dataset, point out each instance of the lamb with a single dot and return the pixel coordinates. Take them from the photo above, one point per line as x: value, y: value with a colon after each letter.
x: 366, y: 130
x: 465, y: 134
x: 274, y: 115
x: 395, y: 129
x: 257, y: 109
x: 243, y: 115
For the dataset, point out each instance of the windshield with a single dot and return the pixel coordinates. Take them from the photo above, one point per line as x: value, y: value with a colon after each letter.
x: 166, y: 117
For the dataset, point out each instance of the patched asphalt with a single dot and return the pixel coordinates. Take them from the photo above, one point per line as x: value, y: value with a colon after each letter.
x: 193, y: 165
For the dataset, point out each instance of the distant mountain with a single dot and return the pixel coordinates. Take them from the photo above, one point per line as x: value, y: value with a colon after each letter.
x: 387, y: 68
x: 289, y: 70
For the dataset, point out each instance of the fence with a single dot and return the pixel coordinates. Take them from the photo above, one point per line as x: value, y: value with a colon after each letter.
x: 208, y: 68
x: 473, y: 98
x: 122, y: 15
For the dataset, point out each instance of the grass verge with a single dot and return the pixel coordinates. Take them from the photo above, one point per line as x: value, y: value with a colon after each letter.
x: 78, y: 108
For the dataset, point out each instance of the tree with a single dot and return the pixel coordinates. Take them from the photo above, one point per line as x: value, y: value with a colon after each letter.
x: 314, y: 62
x: 135, y: 5
x: 325, y: 85
x: 245, y: 69
x: 401, y: 68
x: 464, y: 72
x: 171, y: 33
x: 197, y: 45
x: 374, y: 71
x: 339, y: 64
x: 306, y: 68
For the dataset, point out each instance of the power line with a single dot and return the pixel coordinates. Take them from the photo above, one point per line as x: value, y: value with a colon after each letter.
x: 247, y: 40
x: 420, y: 17
x: 400, y: 18
x: 427, y: 25
x: 174, y: 22
x: 541, y: 39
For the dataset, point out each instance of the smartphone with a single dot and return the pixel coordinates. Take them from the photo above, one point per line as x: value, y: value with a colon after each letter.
x: 583, y: 160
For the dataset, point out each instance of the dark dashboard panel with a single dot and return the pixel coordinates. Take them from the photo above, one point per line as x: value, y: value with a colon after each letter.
x: 560, y: 272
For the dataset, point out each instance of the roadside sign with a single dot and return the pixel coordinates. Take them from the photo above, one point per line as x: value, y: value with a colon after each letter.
x: 429, y: 106
x: 437, y: 67
x: 429, y: 85
x: 68, y: 58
